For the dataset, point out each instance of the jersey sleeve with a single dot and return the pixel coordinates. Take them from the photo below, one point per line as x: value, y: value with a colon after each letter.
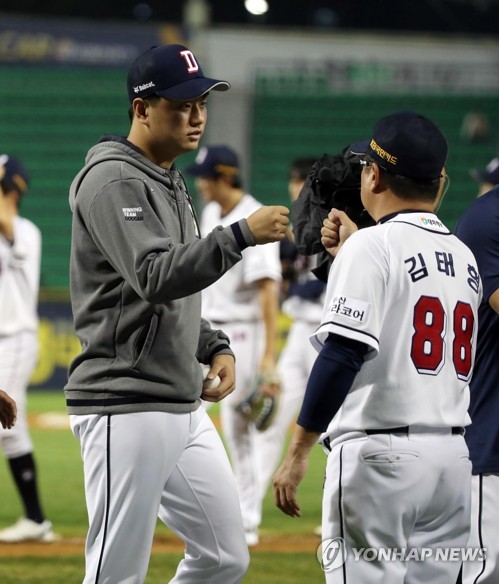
x: 261, y: 261
x: 356, y: 292
x: 212, y: 342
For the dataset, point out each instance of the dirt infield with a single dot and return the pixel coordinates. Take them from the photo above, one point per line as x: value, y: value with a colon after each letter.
x: 162, y: 544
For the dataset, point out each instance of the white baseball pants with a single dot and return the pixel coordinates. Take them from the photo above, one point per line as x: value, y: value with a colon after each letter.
x: 18, y: 356
x: 246, y: 340
x: 397, y: 492
x: 141, y: 466
x: 295, y: 363
x: 484, y: 530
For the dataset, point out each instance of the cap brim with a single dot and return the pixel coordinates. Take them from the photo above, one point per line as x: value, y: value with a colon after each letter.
x: 194, y: 88
x: 479, y: 175
x: 198, y: 170
x: 360, y: 148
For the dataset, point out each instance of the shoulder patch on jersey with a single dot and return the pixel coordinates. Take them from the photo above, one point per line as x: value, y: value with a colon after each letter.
x: 351, y: 308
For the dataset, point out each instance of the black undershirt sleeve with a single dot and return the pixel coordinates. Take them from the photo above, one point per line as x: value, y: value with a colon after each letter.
x: 330, y: 380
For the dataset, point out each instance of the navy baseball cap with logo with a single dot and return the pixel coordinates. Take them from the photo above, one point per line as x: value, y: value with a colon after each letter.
x: 213, y: 161
x: 171, y: 71
x: 13, y: 174
x: 407, y: 144
x: 490, y: 174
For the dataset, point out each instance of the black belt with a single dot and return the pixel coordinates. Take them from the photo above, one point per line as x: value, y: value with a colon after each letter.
x: 405, y: 430
x: 401, y: 430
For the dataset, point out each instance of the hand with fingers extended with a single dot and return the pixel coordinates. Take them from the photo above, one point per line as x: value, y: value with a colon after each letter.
x: 336, y: 229
x: 269, y: 224
x: 285, y: 482
x: 292, y: 470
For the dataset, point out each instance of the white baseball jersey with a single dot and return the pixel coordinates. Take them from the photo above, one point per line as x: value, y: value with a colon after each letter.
x: 410, y: 290
x: 19, y: 283
x: 19, y: 279
x: 233, y: 303
x: 232, y: 297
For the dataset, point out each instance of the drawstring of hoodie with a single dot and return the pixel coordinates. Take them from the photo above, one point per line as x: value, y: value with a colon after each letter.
x: 179, y: 185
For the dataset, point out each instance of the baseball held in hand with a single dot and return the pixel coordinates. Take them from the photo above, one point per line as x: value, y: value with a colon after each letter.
x: 209, y: 383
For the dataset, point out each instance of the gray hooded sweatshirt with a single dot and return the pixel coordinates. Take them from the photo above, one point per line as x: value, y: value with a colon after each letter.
x: 137, y: 268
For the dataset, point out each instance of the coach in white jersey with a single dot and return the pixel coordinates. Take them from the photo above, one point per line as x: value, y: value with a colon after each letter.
x: 20, y: 250
x: 389, y: 389
x: 244, y: 303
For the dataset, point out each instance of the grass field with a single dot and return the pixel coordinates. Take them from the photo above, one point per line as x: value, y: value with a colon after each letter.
x: 286, y: 554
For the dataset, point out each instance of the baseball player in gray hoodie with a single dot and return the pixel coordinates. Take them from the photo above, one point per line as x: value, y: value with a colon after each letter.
x: 138, y: 266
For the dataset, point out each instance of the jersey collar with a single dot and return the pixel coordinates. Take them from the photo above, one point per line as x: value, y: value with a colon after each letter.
x: 392, y: 215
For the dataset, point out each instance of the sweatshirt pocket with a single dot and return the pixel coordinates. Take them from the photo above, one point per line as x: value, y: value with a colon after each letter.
x: 144, y: 342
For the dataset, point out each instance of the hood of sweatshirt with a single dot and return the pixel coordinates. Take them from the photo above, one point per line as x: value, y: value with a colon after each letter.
x: 118, y: 148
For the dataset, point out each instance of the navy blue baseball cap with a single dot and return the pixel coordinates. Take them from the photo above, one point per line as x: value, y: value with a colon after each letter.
x: 490, y: 174
x: 406, y: 144
x: 13, y: 174
x: 213, y: 161
x: 171, y: 71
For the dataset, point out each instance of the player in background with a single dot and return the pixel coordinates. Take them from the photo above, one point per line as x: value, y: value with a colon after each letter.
x: 388, y: 393
x: 8, y: 410
x: 244, y: 303
x: 20, y: 254
x: 478, y: 228
x: 303, y: 301
x: 488, y: 178
x: 138, y: 265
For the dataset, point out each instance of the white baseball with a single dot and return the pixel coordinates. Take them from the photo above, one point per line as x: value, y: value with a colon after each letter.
x: 209, y: 383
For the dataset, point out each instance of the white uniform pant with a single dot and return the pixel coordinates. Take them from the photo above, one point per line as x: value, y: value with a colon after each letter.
x: 246, y: 340
x: 295, y: 363
x: 484, y: 530
x: 141, y: 466
x: 399, y: 492
x: 18, y: 355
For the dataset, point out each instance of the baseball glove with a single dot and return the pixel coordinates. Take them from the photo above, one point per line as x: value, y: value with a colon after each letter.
x: 260, y: 406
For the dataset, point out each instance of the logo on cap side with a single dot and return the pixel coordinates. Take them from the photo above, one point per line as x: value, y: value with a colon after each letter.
x: 383, y: 153
x: 144, y: 86
x: 226, y: 169
x: 190, y: 59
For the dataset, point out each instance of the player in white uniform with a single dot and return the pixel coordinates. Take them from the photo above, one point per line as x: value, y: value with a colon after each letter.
x: 20, y: 251
x: 244, y: 303
x: 389, y: 389
x: 303, y: 303
x: 138, y: 265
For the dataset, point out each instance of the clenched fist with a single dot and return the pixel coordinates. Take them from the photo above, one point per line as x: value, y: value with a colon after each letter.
x: 269, y: 223
x: 336, y: 229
